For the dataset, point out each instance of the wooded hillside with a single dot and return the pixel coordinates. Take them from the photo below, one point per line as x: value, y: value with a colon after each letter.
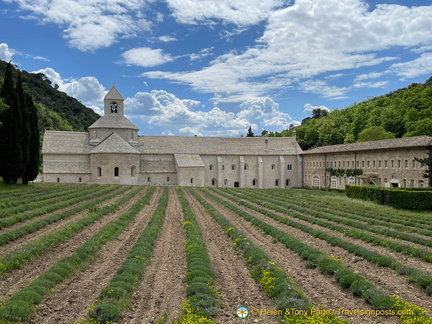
x: 56, y: 110
x: 402, y: 113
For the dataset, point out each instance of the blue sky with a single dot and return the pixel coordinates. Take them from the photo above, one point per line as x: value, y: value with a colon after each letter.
x: 215, y: 67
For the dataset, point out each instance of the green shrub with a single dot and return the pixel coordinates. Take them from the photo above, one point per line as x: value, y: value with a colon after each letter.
x: 28, y: 295
x: 106, y: 313
x: 396, y: 197
x: 16, y: 311
x: 198, y: 288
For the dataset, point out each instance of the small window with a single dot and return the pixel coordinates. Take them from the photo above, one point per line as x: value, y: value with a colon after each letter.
x: 133, y: 171
x: 277, y: 182
x: 116, y: 172
x: 254, y: 181
x: 413, y: 164
x: 223, y: 167
x: 392, y: 164
x: 211, y: 167
x: 287, y: 182
x: 226, y: 182
x: 168, y: 179
x: 289, y: 167
x: 191, y: 180
x: 233, y: 167
x: 58, y: 179
x: 406, y: 164
x: 246, y: 167
x: 421, y: 183
x: 79, y: 179
x: 399, y: 164
x: 273, y: 167
x: 148, y: 179
x: 99, y: 172
x: 213, y: 182
x: 386, y: 163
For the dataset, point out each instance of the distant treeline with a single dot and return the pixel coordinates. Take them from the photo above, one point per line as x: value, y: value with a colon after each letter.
x: 403, y: 113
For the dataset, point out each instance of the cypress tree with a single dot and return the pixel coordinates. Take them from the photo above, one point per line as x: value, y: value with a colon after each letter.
x: 31, y: 170
x: 25, y: 140
x: 10, y: 132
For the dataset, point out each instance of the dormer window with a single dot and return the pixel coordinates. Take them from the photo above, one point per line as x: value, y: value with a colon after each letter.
x: 114, y: 108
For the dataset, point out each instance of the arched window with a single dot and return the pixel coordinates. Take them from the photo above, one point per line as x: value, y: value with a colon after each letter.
x: 79, y: 179
x: 191, y: 180
x: 273, y: 167
x: 246, y: 166
x: 254, y: 182
x: 226, y: 182
x: 223, y: 167
x: 287, y: 182
x: 133, y: 171
x: 333, y: 183
x: 277, y: 182
x: 233, y: 167
x: 116, y: 172
x: 211, y: 167
x: 213, y: 182
x: 289, y: 167
x: 58, y: 179
x: 148, y: 179
x: 316, y: 181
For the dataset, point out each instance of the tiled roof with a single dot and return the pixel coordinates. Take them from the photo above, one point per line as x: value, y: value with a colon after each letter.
x: 61, y: 142
x: 189, y: 160
x: 114, y: 144
x: 218, y: 145
x: 395, y: 143
x: 113, y: 122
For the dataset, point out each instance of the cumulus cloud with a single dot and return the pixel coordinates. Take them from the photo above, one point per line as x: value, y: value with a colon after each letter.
x: 238, y: 12
x: 89, y: 25
x: 5, y: 52
x: 87, y: 90
x: 146, y: 57
x: 310, y: 108
x: 161, y: 108
x: 308, y: 39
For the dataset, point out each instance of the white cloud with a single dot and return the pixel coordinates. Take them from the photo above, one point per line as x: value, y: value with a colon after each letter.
x: 167, y: 39
x: 238, y: 12
x: 372, y: 75
x: 378, y: 84
x: 5, y: 52
x: 322, y: 88
x: 310, y: 108
x: 87, y: 90
x: 186, y: 116
x: 307, y: 39
x: 87, y: 24
x: 414, y: 68
x: 146, y: 57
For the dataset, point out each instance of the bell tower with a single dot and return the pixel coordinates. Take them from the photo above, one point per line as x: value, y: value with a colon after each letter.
x: 113, y: 120
x: 113, y: 103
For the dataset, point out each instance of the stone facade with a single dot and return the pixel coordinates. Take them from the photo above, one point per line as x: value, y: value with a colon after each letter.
x: 388, y: 163
x: 113, y: 153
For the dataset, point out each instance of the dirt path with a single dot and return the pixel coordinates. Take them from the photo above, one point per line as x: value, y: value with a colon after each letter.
x: 16, y: 244
x: 162, y: 287
x: 70, y: 300
x: 17, y: 279
x: 233, y: 281
x: 322, y: 289
x: 386, y: 279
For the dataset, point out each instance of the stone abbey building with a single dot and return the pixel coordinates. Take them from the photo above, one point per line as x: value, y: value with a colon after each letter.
x: 112, y: 152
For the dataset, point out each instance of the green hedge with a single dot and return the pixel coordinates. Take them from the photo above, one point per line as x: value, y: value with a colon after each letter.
x: 395, y: 197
